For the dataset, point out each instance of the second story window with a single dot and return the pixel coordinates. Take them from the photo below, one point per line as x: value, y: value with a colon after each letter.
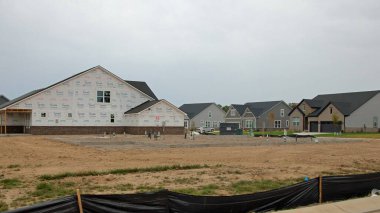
x: 233, y: 112
x: 103, y: 97
x: 282, y: 112
x: 209, y: 114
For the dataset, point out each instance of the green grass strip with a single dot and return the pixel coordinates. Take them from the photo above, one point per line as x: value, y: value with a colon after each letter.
x: 121, y: 171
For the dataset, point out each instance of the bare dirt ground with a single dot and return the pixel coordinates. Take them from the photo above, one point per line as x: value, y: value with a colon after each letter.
x: 229, y: 159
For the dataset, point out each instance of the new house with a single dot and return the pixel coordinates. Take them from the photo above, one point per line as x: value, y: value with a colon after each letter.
x: 203, y: 115
x: 92, y: 101
x: 259, y: 115
x: 349, y: 112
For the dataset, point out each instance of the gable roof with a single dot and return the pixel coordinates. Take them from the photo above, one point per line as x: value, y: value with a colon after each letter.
x: 346, y: 103
x: 193, y: 110
x: 3, y: 99
x: 143, y: 87
x: 239, y: 108
x: 142, y: 107
x: 148, y: 104
x: 258, y: 108
x: 13, y: 101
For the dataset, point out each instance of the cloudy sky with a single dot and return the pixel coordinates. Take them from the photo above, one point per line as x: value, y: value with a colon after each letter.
x: 196, y: 50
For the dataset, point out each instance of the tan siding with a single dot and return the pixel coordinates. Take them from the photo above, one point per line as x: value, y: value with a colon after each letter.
x: 296, y: 113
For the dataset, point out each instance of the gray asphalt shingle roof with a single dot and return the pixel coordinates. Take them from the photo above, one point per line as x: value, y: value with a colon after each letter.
x: 142, y: 107
x: 346, y: 103
x: 3, y: 99
x: 239, y: 108
x: 258, y: 108
x: 193, y: 110
x: 20, y: 98
x: 143, y: 87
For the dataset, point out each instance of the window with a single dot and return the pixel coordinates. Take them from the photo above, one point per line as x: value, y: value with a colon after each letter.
x: 103, y: 96
x: 208, y: 124
x: 375, y: 122
x: 70, y: 115
x: 209, y: 114
x: 43, y: 115
x: 303, y: 107
x: 233, y: 112
x: 112, y: 118
x: 287, y: 123
x: 248, y: 124
x: 296, y: 121
x: 277, y: 124
x: 215, y: 125
x: 185, y: 124
x: 282, y: 112
x: 330, y: 110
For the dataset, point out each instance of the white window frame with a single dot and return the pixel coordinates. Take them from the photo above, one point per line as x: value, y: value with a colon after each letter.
x: 207, y: 124
x: 282, y: 113
x: 233, y: 112
x: 248, y: 123
x: 277, y: 122
x: 210, y: 114
x: 287, y: 123
x: 296, y: 121
x: 104, y: 97
x: 375, y: 122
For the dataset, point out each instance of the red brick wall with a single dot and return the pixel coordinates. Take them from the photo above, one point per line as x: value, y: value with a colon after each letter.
x: 168, y: 130
x: 83, y: 130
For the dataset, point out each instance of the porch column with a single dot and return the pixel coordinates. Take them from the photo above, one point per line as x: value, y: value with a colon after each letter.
x: 5, y: 122
x: 319, y: 126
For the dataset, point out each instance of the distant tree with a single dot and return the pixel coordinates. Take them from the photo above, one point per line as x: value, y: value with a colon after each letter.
x: 192, y: 126
x: 271, y: 117
x: 335, y: 121
x: 292, y: 105
x: 224, y: 108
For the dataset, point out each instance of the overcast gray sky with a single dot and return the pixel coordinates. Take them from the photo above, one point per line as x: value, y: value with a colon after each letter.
x: 196, y: 50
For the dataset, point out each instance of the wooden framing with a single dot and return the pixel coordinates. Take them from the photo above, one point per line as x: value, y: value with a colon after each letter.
x: 5, y: 111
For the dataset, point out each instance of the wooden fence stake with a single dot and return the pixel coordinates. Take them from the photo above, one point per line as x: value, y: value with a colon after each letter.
x: 79, y: 201
x: 320, y: 189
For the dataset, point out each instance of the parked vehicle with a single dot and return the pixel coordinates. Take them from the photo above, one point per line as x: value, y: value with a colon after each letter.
x: 205, y: 129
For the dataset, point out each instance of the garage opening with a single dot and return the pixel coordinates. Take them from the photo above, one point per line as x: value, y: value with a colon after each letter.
x: 329, y: 126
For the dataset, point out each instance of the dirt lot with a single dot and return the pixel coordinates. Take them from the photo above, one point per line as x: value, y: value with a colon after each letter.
x: 225, y: 162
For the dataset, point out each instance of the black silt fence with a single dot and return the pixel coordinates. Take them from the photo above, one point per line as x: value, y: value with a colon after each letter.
x: 331, y: 188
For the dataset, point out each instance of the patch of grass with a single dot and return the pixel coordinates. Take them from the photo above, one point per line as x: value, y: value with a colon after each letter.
x: 50, y: 190
x: 124, y: 187
x: 352, y: 135
x: 3, y: 206
x: 13, y: 166
x: 244, y: 186
x: 121, y: 171
x: 209, y: 189
x: 190, y: 180
x: 149, y: 188
x: 10, y: 183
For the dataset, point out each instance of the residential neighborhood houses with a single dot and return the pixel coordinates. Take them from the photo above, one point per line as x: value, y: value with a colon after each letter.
x: 349, y: 112
x: 92, y: 101
x: 96, y: 101
x: 207, y: 115
x: 260, y: 115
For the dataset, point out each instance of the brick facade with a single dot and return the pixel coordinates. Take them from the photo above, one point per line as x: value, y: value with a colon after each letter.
x: 83, y: 130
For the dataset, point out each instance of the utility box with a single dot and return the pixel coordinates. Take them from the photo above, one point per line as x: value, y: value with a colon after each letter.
x: 229, y: 128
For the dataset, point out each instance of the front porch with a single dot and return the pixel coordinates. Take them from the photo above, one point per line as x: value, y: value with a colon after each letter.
x: 15, y: 121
